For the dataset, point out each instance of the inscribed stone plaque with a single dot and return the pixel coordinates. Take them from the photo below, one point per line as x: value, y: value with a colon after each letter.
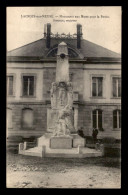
x: 61, y: 142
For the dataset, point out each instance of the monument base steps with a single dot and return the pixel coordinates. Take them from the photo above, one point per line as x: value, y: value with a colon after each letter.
x: 60, y: 148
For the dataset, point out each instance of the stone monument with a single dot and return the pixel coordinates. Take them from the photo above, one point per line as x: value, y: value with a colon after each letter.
x: 62, y: 102
x: 60, y: 139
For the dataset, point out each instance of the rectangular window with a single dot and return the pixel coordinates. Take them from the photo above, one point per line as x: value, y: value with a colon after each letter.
x: 97, y: 83
x: 116, y: 119
x: 28, y: 85
x: 116, y: 87
x: 97, y: 119
x: 9, y: 85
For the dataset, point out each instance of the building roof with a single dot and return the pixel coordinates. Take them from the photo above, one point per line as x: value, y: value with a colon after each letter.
x: 87, y: 50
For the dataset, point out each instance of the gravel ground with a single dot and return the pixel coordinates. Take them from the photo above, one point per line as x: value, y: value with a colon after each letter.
x: 35, y: 172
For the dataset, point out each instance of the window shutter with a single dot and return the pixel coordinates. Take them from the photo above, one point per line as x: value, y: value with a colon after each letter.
x: 114, y: 88
x: 100, y: 86
x: 25, y: 87
x: 94, y: 86
x: 115, y: 119
x: 31, y: 86
x: 119, y: 87
x: 119, y: 119
x: 94, y: 119
x: 99, y: 119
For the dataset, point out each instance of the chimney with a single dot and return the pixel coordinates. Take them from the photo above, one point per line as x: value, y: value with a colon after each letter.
x: 45, y: 28
x: 79, y: 35
x: 48, y: 35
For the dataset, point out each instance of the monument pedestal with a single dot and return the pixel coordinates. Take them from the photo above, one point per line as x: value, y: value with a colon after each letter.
x: 61, y: 142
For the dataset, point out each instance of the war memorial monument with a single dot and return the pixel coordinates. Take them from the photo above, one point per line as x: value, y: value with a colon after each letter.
x: 60, y: 139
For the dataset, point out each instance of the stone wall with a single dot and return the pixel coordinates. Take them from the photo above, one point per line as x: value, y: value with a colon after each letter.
x: 107, y: 71
x: 39, y: 122
x: 85, y: 120
x: 20, y: 69
x: 81, y: 79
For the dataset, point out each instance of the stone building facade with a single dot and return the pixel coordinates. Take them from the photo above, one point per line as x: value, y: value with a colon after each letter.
x: 94, y: 71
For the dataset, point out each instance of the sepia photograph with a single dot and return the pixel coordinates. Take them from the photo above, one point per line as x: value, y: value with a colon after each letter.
x: 63, y: 97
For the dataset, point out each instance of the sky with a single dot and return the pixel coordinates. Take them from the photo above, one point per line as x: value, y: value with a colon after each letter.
x: 100, y: 25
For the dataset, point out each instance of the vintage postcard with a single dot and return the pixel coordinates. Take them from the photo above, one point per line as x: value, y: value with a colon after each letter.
x: 63, y: 97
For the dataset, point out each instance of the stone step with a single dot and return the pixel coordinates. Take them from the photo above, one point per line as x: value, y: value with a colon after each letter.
x: 62, y: 153
x: 36, y: 151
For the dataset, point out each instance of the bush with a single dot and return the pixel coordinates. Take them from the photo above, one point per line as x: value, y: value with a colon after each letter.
x: 112, y: 152
x: 30, y: 139
x: 89, y: 139
x: 108, y: 140
x: 15, y: 138
x: 80, y: 133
